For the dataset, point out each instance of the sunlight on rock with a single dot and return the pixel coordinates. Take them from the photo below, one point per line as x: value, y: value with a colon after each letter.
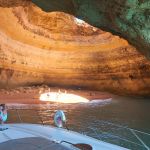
x: 62, y: 98
x: 79, y: 21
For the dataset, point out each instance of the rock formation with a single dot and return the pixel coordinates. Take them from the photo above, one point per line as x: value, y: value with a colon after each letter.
x: 55, y: 48
x: 128, y: 18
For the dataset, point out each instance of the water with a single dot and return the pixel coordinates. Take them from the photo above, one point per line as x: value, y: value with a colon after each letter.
x: 99, y: 119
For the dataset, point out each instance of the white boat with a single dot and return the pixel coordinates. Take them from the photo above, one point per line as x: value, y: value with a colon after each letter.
x: 40, y: 137
x: 25, y: 136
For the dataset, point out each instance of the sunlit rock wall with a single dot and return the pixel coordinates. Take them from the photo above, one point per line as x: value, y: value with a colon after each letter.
x: 127, y: 18
x: 56, y: 49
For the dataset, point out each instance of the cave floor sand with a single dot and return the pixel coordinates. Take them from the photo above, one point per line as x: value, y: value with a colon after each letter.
x: 30, y: 95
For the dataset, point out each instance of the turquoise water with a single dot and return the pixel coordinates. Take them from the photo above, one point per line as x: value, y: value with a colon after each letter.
x: 106, y: 120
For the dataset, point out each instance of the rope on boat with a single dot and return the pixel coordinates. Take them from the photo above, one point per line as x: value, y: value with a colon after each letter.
x: 19, y: 116
x: 40, y: 118
x: 140, y: 139
x: 130, y: 129
x: 126, y: 127
x: 118, y: 137
x: 7, y: 137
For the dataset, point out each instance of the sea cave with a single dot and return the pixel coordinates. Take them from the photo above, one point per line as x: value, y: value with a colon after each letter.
x: 78, y: 51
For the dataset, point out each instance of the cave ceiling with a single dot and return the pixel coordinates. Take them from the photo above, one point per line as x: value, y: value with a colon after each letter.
x: 93, y: 44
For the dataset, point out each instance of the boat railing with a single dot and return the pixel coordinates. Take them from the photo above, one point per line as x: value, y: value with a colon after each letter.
x: 118, y: 134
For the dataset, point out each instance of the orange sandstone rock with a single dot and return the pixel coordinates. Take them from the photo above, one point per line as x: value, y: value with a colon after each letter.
x: 54, y: 48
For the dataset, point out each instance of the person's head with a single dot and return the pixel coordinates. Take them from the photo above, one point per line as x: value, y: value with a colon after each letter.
x: 2, y: 107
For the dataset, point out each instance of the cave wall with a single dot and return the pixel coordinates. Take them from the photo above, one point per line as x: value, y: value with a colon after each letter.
x: 127, y: 18
x: 37, y: 47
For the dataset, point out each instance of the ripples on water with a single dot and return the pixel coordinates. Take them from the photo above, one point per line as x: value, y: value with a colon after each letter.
x: 97, y: 118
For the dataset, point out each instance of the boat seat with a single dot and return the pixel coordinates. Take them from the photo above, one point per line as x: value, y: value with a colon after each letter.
x: 32, y: 143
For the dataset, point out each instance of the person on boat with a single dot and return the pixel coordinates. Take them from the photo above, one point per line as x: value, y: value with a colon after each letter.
x: 3, y: 113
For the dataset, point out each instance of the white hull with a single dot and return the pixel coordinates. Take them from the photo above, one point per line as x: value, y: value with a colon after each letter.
x: 17, y: 131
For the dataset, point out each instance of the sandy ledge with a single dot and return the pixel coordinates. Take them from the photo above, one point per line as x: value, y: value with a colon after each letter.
x: 30, y: 95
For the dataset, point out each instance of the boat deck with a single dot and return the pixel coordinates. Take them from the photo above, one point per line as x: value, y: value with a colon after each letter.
x: 32, y: 143
x: 41, y: 137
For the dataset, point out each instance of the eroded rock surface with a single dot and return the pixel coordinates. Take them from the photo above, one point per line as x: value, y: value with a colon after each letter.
x: 55, y: 48
x: 128, y: 18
